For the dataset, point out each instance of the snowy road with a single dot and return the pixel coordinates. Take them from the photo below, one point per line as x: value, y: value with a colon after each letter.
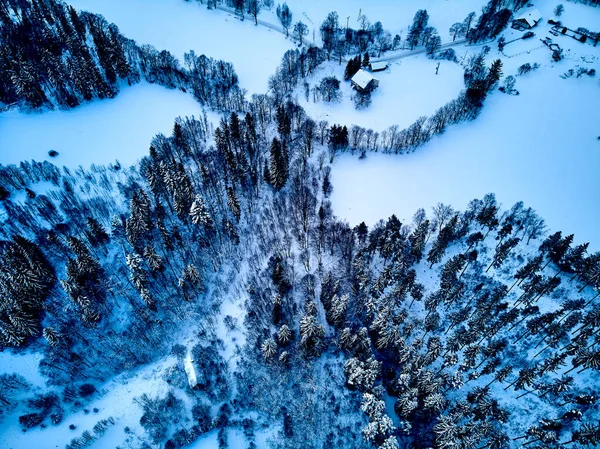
x: 264, y: 23
x: 418, y: 52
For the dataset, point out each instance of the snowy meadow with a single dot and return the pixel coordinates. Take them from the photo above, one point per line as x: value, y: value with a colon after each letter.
x: 523, y: 148
x: 408, y: 89
x: 102, y: 132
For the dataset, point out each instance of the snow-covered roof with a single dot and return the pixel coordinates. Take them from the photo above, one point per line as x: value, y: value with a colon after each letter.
x: 362, y: 78
x: 190, y: 371
x: 531, y: 17
x: 378, y: 66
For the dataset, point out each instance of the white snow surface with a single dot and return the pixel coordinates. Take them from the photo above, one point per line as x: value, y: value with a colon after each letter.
x: 540, y: 147
x: 115, y: 399
x: 25, y: 364
x: 407, y: 90
x: 179, y: 26
x: 99, y: 132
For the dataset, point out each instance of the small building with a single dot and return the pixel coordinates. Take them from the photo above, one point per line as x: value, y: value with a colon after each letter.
x: 190, y: 371
x: 364, y: 81
x: 378, y: 66
x: 527, y: 20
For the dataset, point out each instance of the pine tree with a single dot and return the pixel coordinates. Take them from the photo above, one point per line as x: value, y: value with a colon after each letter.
x: 96, y: 233
x: 445, y: 237
x: 233, y: 203
x: 494, y: 74
x: 417, y: 240
x: 155, y: 262
x: 139, y: 223
x: 502, y: 252
x: 284, y: 122
x: 278, y: 165
x: 269, y: 349
x: 366, y: 60
x: 199, y: 213
x: 419, y: 24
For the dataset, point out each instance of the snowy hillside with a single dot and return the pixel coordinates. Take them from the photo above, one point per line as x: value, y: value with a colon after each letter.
x: 113, y: 130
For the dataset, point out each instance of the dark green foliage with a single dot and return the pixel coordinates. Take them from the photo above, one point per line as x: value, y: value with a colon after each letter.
x: 86, y: 390
x: 353, y: 66
x: 26, y: 279
x: 31, y: 420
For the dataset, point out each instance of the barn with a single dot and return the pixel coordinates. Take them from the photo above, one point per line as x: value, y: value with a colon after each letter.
x: 527, y: 20
x: 363, y: 81
x: 378, y: 66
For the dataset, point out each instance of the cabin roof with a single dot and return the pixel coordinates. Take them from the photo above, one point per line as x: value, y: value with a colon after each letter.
x: 532, y: 17
x: 379, y: 66
x: 362, y: 78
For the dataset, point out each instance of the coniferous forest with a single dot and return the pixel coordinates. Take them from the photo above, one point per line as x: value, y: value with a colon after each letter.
x: 475, y: 328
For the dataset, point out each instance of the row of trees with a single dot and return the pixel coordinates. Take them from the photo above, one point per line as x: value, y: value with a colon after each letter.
x: 51, y: 54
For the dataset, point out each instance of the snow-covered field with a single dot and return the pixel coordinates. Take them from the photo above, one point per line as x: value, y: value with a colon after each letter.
x: 407, y: 90
x: 540, y: 147
x: 115, y: 400
x: 180, y: 26
x: 395, y: 15
x: 100, y: 132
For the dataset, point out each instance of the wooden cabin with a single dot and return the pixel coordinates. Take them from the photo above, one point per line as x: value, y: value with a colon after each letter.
x: 363, y: 81
x: 527, y: 20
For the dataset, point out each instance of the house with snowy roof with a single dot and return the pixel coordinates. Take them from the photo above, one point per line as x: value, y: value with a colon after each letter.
x: 527, y: 20
x: 363, y: 81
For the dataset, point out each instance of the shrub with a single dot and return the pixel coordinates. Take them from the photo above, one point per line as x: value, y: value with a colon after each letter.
x: 201, y: 414
x: 86, y: 390
x: 57, y: 416
x: 362, y: 100
x: 31, y: 420
x: 447, y: 55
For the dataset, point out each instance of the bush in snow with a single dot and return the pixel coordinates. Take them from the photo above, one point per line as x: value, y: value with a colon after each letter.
x: 201, y: 414
x: 509, y: 85
x: 86, y: 390
x: 329, y: 88
x: 559, y: 10
x: 526, y: 68
x: 362, y: 100
x: 31, y: 420
x: 447, y: 55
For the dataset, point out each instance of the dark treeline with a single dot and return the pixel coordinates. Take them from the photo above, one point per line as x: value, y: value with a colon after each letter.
x: 51, y: 55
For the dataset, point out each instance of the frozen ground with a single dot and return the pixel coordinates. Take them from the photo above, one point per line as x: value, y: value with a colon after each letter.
x: 540, y: 147
x: 395, y: 15
x: 24, y: 364
x: 180, y: 26
x: 95, y: 133
x: 407, y: 90
x: 114, y: 400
